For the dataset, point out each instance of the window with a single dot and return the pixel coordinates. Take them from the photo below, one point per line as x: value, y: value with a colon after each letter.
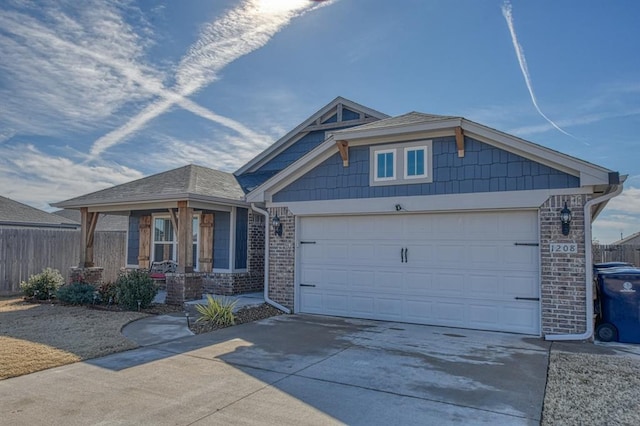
x: 401, y: 163
x: 385, y: 164
x: 164, y: 240
x: 414, y: 162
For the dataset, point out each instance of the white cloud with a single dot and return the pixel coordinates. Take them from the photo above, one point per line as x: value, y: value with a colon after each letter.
x: 240, y: 31
x: 627, y: 202
x: 52, y: 85
x: 38, y: 179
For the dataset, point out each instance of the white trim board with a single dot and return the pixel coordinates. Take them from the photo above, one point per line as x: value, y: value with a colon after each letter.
x: 428, y: 203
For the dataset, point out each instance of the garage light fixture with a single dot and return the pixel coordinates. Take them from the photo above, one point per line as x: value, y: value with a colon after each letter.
x: 565, y: 218
x: 277, y: 225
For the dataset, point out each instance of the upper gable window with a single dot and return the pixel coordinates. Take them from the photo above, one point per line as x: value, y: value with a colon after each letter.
x: 401, y: 163
x: 385, y: 164
x: 414, y: 166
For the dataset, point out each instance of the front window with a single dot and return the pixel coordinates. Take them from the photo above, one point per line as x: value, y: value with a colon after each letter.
x: 414, y: 162
x: 164, y: 240
x: 385, y: 165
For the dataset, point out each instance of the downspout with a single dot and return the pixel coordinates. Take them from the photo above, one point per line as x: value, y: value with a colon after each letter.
x: 589, y: 269
x: 266, y: 260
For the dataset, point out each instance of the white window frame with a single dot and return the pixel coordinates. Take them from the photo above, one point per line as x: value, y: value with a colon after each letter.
x: 174, y: 243
x: 378, y: 152
x: 406, y: 162
x: 400, y: 175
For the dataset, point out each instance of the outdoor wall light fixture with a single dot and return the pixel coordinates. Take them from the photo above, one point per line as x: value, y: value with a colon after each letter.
x: 565, y: 218
x: 277, y: 225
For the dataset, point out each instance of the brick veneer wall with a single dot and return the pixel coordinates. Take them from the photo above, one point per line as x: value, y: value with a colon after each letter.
x: 563, y: 275
x: 282, y: 258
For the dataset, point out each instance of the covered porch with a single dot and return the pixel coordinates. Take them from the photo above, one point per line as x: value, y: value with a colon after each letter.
x: 216, y: 242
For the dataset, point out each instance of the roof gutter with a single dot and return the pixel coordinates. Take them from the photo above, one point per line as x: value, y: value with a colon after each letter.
x: 588, y: 269
x: 266, y: 260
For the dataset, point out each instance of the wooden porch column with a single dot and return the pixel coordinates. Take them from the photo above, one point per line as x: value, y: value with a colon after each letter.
x: 206, y: 242
x: 185, y: 238
x: 88, y: 221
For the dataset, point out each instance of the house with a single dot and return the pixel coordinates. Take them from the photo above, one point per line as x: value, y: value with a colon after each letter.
x: 106, y: 222
x: 631, y: 240
x: 417, y: 218
x: 17, y: 215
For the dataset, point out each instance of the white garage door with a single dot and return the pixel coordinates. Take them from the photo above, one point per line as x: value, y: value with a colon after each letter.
x: 470, y: 270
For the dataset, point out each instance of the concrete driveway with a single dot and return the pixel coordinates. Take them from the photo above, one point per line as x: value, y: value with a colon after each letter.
x: 296, y: 369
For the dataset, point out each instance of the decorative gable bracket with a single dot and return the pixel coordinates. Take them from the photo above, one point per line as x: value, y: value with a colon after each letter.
x: 460, y: 141
x: 343, y: 147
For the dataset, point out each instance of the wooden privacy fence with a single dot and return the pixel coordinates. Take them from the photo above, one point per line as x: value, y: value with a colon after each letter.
x: 27, y: 251
x: 617, y: 253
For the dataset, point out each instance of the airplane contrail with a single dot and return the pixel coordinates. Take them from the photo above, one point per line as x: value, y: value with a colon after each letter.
x: 506, y: 12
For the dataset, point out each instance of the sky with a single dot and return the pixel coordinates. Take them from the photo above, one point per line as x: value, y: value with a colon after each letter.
x: 95, y: 94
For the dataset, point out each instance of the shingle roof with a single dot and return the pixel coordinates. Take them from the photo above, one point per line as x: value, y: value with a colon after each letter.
x: 17, y: 214
x: 627, y: 240
x: 402, y: 120
x: 106, y: 222
x: 182, y: 182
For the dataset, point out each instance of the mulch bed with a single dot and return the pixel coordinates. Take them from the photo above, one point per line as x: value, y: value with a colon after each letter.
x: 154, y: 309
x: 244, y: 315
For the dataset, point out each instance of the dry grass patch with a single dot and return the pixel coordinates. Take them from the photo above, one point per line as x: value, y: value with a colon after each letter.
x: 35, y: 337
x: 592, y: 389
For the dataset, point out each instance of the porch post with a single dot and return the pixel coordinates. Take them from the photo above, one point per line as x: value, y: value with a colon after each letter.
x: 185, y: 238
x: 88, y: 221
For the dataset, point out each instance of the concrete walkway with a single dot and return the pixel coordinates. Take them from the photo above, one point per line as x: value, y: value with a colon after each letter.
x: 164, y: 328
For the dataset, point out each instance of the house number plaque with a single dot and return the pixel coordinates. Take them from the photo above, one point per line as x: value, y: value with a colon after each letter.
x: 563, y: 248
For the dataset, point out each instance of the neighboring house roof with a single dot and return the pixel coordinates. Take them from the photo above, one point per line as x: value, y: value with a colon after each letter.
x: 631, y: 239
x: 421, y: 125
x: 185, y: 183
x: 106, y: 222
x: 13, y: 213
x: 327, y: 117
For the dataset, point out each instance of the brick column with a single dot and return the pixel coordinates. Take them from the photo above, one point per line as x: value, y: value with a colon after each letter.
x: 93, y: 276
x: 282, y: 258
x: 183, y: 287
x: 563, y: 275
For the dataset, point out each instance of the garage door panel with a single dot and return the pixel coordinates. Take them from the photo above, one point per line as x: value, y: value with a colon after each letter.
x: 462, y: 269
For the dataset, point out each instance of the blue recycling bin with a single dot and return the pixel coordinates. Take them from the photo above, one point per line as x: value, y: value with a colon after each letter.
x: 619, y: 293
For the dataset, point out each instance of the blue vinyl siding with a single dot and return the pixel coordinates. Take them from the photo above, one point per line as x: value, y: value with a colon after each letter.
x: 295, y: 151
x: 222, y: 227
x: 242, y: 230
x: 133, y: 244
x: 484, y: 168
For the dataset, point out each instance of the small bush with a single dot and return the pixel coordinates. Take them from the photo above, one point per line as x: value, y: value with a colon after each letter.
x: 77, y: 294
x: 43, y: 285
x: 135, y: 286
x: 108, y: 293
x: 217, y: 311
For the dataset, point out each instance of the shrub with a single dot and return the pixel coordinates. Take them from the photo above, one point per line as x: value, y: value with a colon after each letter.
x: 135, y: 286
x: 217, y: 311
x: 43, y: 285
x: 108, y: 293
x: 77, y: 294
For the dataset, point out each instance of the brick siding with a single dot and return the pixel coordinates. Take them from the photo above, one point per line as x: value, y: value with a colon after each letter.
x: 282, y: 258
x: 563, y: 275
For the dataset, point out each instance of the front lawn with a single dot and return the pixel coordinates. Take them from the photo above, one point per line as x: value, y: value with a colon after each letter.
x: 35, y: 337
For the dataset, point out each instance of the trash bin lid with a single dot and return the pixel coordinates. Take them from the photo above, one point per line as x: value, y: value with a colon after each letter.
x: 605, y: 265
x: 616, y: 272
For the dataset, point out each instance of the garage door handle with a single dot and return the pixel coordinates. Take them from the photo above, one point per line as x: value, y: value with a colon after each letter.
x: 403, y: 255
x: 526, y: 244
x: 528, y: 298
x: 406, y: 257
x: 307, y: 285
